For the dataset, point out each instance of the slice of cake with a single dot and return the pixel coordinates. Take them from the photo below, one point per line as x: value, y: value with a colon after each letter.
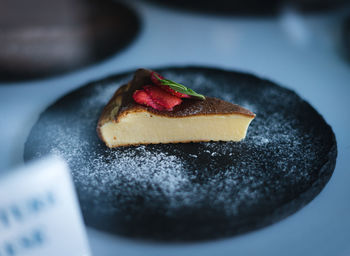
x: 151, y: 110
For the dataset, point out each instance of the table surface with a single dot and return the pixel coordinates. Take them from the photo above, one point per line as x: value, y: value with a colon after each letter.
x: 300, y: 52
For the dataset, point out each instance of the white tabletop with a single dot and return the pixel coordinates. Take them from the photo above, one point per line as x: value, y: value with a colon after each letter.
x: 298, y: 52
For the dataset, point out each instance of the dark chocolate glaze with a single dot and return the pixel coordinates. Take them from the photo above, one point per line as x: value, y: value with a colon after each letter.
x: 192, y: 191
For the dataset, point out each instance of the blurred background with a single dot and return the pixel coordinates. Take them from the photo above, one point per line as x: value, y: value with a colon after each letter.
x: 41, y: 38
x: 49, y: 48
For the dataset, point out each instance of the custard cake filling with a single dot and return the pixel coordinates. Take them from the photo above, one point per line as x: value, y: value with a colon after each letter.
x: 144, y: 127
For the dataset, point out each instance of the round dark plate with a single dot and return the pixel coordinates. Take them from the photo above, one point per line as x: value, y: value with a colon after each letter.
x: 346, y: 37
x: 192, y: 191
x: 251, y: 7
x: 41, y: 38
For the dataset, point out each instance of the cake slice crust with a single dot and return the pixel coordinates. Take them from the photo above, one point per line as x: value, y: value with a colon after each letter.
x: 124, y: 122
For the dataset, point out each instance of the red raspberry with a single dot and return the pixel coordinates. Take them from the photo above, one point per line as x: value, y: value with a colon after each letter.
x: 154, y: 78
x: 156, y: 81
x: 141, y: 97
x: 162, y: 98
x: 173, y: 92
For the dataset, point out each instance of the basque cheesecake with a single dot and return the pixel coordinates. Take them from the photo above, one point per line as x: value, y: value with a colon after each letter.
x: 137, y: 114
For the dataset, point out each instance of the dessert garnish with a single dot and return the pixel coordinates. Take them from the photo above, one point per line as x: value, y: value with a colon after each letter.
x: 156, y: 98
x: 174, y: 88
x: 164, y: 94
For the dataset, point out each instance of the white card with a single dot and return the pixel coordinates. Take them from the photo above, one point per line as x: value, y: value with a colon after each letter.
x: 39, y: 212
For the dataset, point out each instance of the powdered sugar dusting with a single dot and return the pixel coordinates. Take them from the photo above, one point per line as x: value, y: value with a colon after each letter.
x: 278, y: 159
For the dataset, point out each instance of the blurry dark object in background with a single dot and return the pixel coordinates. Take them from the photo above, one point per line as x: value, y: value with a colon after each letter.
x: 250, y: 7
x: 39, y: 38
x: 346, y: 36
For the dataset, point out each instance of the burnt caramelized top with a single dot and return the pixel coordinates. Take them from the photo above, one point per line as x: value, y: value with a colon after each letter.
x: 123, y: 103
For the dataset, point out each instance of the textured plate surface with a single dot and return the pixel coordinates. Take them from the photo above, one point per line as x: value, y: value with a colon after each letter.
x: 197, y: 190
x: 346, y: 37
x: 251, y: 7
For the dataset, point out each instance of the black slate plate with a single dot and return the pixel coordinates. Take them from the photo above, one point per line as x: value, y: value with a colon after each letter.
x: 41, y: 38
x: 251, y: 7
x: 346, y: 37
x: 198, y: 190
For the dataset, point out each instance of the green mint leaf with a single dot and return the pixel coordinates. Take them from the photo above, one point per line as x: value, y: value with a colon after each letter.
x: 180, y: 88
